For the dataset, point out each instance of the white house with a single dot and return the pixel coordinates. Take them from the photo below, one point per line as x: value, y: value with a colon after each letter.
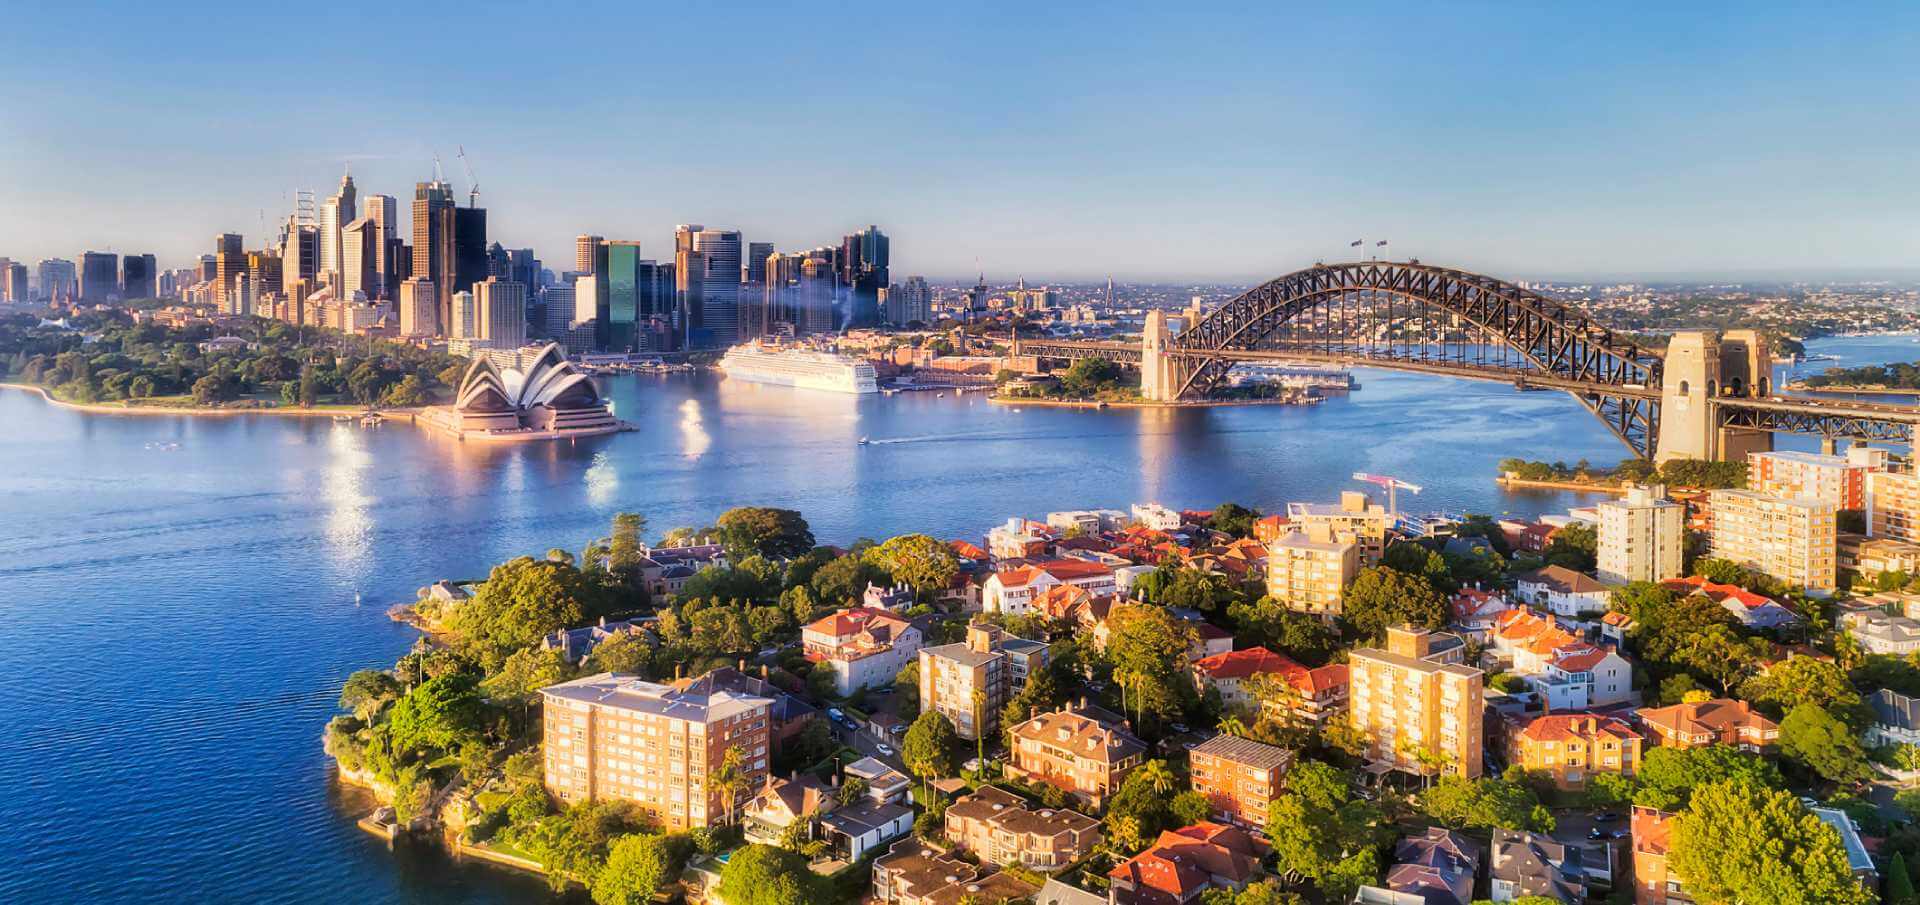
x: 1879, y: 633
x: 864, y: 646
x: 1156, y: 516
x: 1564, y: 592
x: 1583, y: 676
x: 1014, y: 591
x: 1896, y: 718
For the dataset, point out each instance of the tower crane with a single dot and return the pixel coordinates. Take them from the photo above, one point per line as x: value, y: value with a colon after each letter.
x: 1393, y: 485
x: 473, y: 185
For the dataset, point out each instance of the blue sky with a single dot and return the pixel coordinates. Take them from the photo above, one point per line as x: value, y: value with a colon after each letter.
x: 1056, y: 140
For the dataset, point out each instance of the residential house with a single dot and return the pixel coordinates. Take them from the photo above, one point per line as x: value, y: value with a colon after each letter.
x: 1896, y: 718
x: 1527, y: 641
x: 781, y: 803
x: 1474, y: 611
x: 1879, y: 633
x: 1014, y: 591
x: 989, y: 661
x: 1156, y: 517
x: 576, y: 644
x: 1208, y: 639
x: 1054, y: 892
x: 1417, y: 705
x: 1615, y: 627
x: 1239, y: 777
x: 1870, y: 556
x: 1531, y: 864
x: 1526, y: 537
x: 1721, y: 721
x: 998, y: 827
x: 1858, y: 857
x: 1572, y: 747
x: 1021, y: 538
x: 1083, y: 750
x: 916, y: 873
x: 863, y: 826
x: 864, y: 646
x: 1437, y: 868
x: 789, y: 715
x: 1182, y: 864
x: 1653, y: 883
x: 1087, y: 521
x: 898, y: 598
x: 1755, y: 611
x: 884, y: 783
x: 1564, y: 592
x: 1580, y: 676
x: 665, y: 570
x: 1316, y: 693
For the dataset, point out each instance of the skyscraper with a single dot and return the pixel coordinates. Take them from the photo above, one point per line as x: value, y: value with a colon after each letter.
x: 584, y: 248
x: 909, y: 302
x: 814, y: 298
x: 469, y: 245
x: 228, y: 259
x: 13, y: 282
x: 720, y: 287
x: 755, y: 267
x: 335, y: 213
x: 137, y: 275
x: 384, y: 214
x: 432, y: 248
x: 419, y: 308
x: 359, y: 260
x: 863, y: 271
x: 99, y: 277
x: 56, y: 278
x: 463, y: 319
x: 500, y: 307
x: 299, y: 258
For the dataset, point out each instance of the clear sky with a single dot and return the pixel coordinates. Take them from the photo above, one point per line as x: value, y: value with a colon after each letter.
x: 1051, y: 140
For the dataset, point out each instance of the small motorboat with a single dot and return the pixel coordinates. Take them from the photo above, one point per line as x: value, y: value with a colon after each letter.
x: 343, y: 419
x: 863, y: 441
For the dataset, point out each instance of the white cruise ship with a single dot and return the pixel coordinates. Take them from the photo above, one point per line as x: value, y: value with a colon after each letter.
x: 802, y: 368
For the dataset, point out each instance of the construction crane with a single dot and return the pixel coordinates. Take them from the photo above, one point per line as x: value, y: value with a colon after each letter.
x: 473, y: 185
x: 1393, y: 485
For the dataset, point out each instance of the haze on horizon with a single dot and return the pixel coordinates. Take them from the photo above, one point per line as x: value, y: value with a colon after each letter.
x: 1062, y: 141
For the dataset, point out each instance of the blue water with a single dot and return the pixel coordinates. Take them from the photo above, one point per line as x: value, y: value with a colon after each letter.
x: 175, y: 624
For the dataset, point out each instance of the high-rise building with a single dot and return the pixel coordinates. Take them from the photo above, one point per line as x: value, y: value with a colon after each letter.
x: 500, y: 306
x: 754, y: 269
x: 1793, y: 540
x: 864, y: 271
x: 584, y: 250
x: 990, y: 662
x: 228, y: 259
x: 720, y: 286
x: 99, y: 277
x: 383, y: 212
x: 432, y: 246
x: 610, y: 737
x: 469, y: 246
x: 1642, y: 537
x: 618, y: 285
x: 299, y: 257
x: 1308, y: 568
x: 264, y: 272
x: 910, y: 302
x: 335, y: 213
x: 558, y: 314
x: 463, y: 319
x: 1417, y: 705
x: 419, y: 308
x: 1840, y: 480
x: 13, y: 283
x: 137, y: 276
x: 815, y: 295
x: 57, y: 279
x: 359, y: 260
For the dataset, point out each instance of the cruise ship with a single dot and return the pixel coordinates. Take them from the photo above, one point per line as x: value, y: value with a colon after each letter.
x: 802, y: 368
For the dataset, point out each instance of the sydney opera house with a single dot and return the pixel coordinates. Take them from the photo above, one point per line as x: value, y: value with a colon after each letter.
x: 550, y: 399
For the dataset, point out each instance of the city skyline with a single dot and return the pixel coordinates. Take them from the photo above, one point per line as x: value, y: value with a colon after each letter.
x: 1161, y: 146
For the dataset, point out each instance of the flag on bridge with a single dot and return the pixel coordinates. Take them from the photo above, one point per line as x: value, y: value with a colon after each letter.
x: 1380, y: 244
x: 1356, y: 243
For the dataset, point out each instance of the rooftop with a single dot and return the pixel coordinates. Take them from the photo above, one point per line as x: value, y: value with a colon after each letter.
x: 625, y: 691
x: 1258, y: 755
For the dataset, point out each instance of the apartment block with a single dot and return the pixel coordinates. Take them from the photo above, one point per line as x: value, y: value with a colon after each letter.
x: 1309, y: 566
x: 998, y: 827
x: 616, y: 737
x: 1642, y: 537
x: 1840, y: 480
x: 1239, y: 777
x: 989, y: 661
x: 1370, y: 523
x: 1793, y: 540
x: 1315, y: 693
x: 1893, y: 505
x: 1416, y: 704
x: 1082, y: 750
x: 1572, y: 747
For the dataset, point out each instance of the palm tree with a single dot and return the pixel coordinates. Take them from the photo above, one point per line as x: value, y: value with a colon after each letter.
x: 980, y: 726
x: 1233, y: 725
x: 1157, y: 777
x: 729, y: 779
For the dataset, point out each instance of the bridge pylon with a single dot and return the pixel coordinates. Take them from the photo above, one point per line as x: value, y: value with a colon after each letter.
x: 1702, y: 367
x: 1162, y: 374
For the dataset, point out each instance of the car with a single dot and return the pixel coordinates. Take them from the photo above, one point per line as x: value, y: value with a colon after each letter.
x: 885, y: 750
x: 899, y: 730
x: 1601, y: 832
x: 834, y: 713
x: 1189, y: 744
x: 1178, y: 727
x: 973, y: 764
x: 1605, y: 817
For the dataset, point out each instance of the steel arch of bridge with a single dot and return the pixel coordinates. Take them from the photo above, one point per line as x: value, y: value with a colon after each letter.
x: 1619, y: 380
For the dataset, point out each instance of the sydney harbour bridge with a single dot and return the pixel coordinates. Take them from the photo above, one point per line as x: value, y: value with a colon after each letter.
x: 1705, y: 395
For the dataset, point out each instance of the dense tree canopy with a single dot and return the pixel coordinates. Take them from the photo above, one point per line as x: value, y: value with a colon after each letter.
x: 768, y: 875
x: 764, y: 531
x: 923, y: 563
x: 1380, y: 597
x: 522, y: 601
x: 1737, y: 843
x: 1321, y: 832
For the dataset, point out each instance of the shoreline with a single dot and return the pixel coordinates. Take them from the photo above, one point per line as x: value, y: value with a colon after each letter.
x: 1582, y: 486
x: 109, y: 408
x: 1854, y: 389
x: 1095, y: 404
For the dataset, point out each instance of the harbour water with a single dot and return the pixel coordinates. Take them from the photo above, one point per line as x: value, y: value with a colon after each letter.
x: 180, y: 598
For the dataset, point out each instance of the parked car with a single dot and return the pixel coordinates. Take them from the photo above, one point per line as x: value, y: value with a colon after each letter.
x: 1605, y: 817
x: 885, y: 750
x: 834, y: 713
x: 1601, y: 832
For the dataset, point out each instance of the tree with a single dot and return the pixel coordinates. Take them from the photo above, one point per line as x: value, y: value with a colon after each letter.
x: 1804, y: 680
x: 768, y: 875
x: 1233, y: 519
x: 525, y: 672
x: 1899, y: 887
x: 637, y: 866
x: 626, y: 652
x: 210, y: 390
x: 773, y: 533
x: 1575, y: 546
x: 1740, y: 843
x: 840, y: 582
x: 1322, y: 833
x: 729, y: 778
x: 1815, y: 739
x: 410, y: 391
x: 1485, y: 803
x: 1669, y: 775
x: 923, y: 563
x: 1266, y: 623
x: 1140, y: 808
x: 927, y: 748
x: 522, y: 601
x: 441, y: 713
x: 623, y: 546
x: 1148, y: 649
x: 980, y: 724
x: 1379, y: 597
x: 367, y: 691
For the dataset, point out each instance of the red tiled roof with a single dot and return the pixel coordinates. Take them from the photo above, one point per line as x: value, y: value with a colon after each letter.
x: 854, y: 620
x: 1239, y: 664
x: 1563, y: 726
x: 1718, y: 593
x: 1652, y: 831
x: 1181, y: 862
x: 1580, y: 659
x: 966, y: 550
